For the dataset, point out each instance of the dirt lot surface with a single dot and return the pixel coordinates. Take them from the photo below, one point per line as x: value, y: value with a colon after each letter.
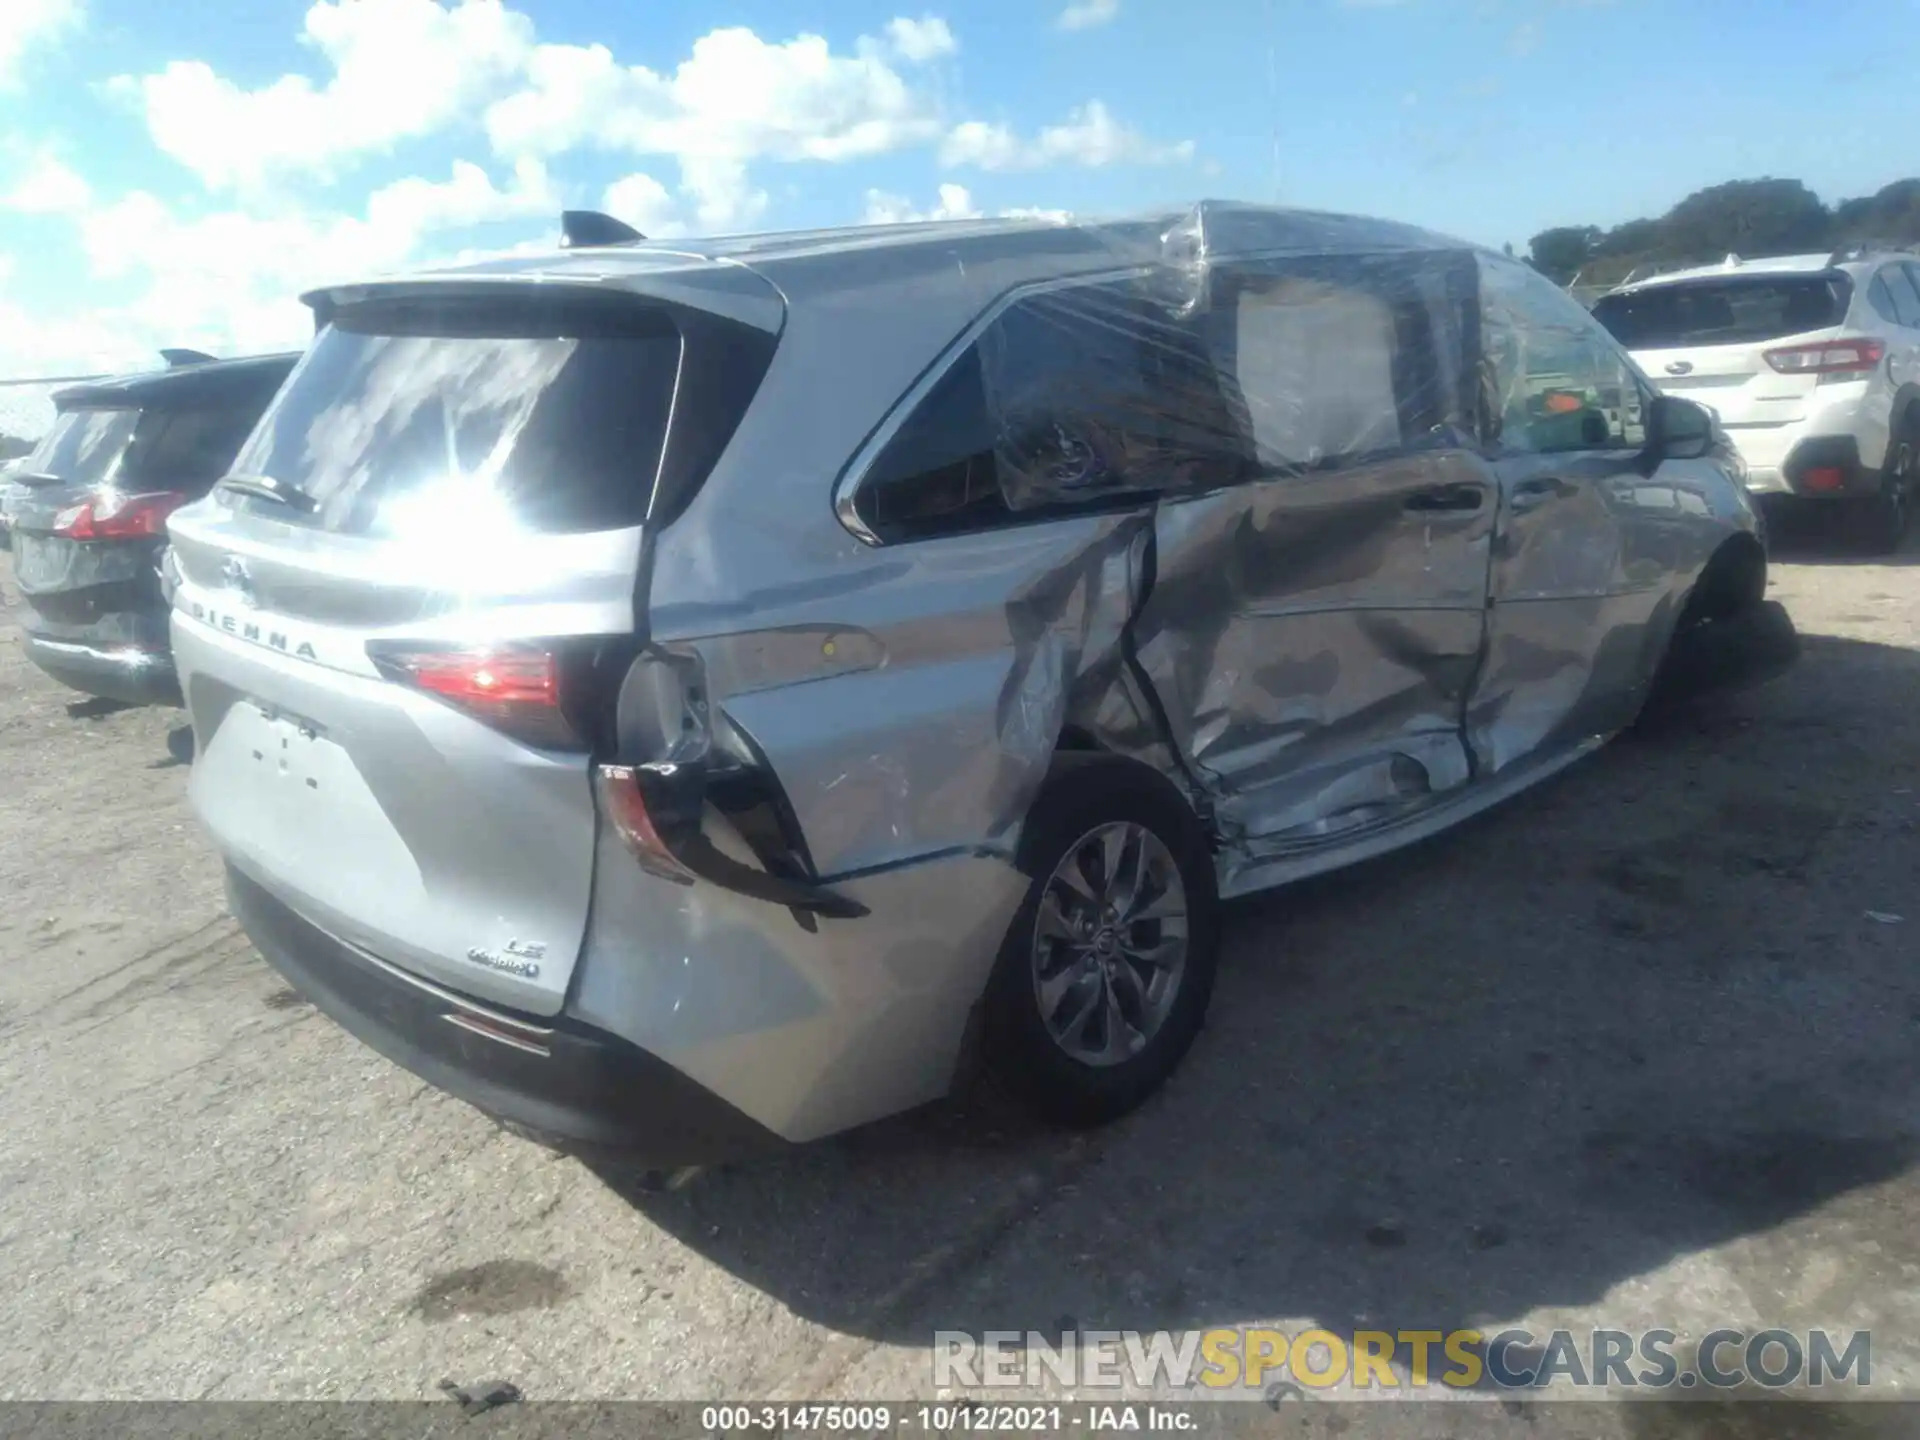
x: 1637, y: 1049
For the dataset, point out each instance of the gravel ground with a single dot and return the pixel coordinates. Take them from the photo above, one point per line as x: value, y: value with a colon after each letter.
x: 1630, y: 1050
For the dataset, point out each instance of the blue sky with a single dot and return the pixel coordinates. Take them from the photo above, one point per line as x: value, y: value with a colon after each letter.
x: 174, y: 173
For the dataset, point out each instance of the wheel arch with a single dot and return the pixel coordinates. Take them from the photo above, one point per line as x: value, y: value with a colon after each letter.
x: 1734, y: 577
x: 1905, y: 416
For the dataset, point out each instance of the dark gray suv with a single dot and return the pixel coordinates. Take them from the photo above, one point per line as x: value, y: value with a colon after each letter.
x: 90, y: 506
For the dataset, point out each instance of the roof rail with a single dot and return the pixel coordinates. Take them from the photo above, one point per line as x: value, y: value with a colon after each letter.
x: 591, y: 228
x: 1653, y: 268
x: 176, y: 358
x: 1860, y: 249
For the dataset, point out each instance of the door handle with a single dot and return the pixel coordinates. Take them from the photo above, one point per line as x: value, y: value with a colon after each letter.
x: 1446, y: 499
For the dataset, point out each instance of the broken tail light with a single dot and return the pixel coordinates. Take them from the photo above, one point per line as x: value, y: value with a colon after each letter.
x: 623, y: 800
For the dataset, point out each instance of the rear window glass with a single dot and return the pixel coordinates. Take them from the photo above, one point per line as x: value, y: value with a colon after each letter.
x: 1724, y: 312
x: 84, y: 447
x: 186, y: 449
x: 407, y: 419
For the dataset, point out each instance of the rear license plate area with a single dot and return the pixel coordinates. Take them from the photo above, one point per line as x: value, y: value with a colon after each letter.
x: 292, y: 748
x: 39, y: 561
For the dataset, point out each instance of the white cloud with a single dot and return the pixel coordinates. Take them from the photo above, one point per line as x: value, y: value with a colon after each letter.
x: 26, y: 25
x: 644, y: 203
x: 736, y: 98
x: 224, y: 274
x: 229, y: 281
x: 401, y: 69
x: 955, y: 203
x: 1090, y: 136
x: 919, y: 41
x: 1085, y: 14
x: 47, y: 186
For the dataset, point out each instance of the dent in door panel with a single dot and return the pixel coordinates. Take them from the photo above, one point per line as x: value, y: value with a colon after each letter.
x: 1313, y: 637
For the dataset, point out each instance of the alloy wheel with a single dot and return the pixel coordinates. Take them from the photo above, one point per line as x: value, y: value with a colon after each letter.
x: 1110, y: 943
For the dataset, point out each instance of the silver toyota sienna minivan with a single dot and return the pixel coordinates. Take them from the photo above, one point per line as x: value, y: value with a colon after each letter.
x: 686, y: 696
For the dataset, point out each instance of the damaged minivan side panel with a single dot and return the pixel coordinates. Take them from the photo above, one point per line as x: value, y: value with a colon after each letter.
x: 1199, y: 524
x: 902, y: 702
x: 1313, y: 631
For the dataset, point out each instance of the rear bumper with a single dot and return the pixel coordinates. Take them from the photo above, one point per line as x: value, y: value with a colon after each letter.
x: 574, y: 1085
x: 133, y: 674
x: 1827, y: 467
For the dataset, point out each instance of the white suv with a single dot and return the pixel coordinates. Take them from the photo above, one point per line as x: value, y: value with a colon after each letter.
x: 1812, y: 363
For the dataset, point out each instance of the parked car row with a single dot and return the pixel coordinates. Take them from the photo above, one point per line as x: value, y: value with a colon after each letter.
x: 690, y: 698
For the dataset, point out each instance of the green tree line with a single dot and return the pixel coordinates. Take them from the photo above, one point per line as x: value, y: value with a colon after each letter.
x: 1748, y: 218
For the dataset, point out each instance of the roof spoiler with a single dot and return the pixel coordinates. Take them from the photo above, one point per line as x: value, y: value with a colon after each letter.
x: 176, y: 358
x: 590, y: 228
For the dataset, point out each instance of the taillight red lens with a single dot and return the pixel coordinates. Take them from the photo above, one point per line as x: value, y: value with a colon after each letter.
x: 1829, y: 357
x: 516, y: 689
x: 624, y: 803
x: 119, y: 517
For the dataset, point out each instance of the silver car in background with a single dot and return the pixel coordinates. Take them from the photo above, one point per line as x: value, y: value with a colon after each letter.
x: 684, y: 696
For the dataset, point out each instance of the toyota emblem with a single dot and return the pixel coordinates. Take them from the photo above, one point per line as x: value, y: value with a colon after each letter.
x: 1680, y: 367
x: 234, y: 574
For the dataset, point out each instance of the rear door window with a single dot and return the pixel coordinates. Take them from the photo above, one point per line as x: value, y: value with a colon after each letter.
x: 1735, y: 311
x: 1339, y: 358
x: 425, y: 418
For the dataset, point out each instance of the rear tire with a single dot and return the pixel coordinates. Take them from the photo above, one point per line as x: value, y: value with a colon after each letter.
x: 1105, y: 974
x: 1881, y: 521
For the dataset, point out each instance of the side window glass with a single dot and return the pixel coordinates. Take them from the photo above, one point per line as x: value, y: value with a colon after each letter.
x: 938, y: 475
x: 1906, y: 301
x: 1553, y: 380
x: 1315, y: 365
x: 1335, y: 360
x: 1880, y: 297
x: 1099, y: 391
x: 1094, y: 395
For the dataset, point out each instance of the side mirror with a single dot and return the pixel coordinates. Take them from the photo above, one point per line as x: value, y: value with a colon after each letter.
x: 1678, y: 429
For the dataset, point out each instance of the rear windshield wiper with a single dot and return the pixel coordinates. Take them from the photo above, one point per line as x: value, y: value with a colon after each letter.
x: 265, y: 487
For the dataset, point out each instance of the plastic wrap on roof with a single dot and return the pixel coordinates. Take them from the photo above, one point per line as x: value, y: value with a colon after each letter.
x: 1225, y: 345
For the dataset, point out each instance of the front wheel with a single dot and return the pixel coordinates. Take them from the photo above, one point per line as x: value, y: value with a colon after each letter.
x: 1105, y: 974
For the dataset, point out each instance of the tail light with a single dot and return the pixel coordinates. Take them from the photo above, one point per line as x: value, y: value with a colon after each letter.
x: 118, y: 517
x: 518, y: 690
x: 1829, y: 357
x: 623, y: 801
